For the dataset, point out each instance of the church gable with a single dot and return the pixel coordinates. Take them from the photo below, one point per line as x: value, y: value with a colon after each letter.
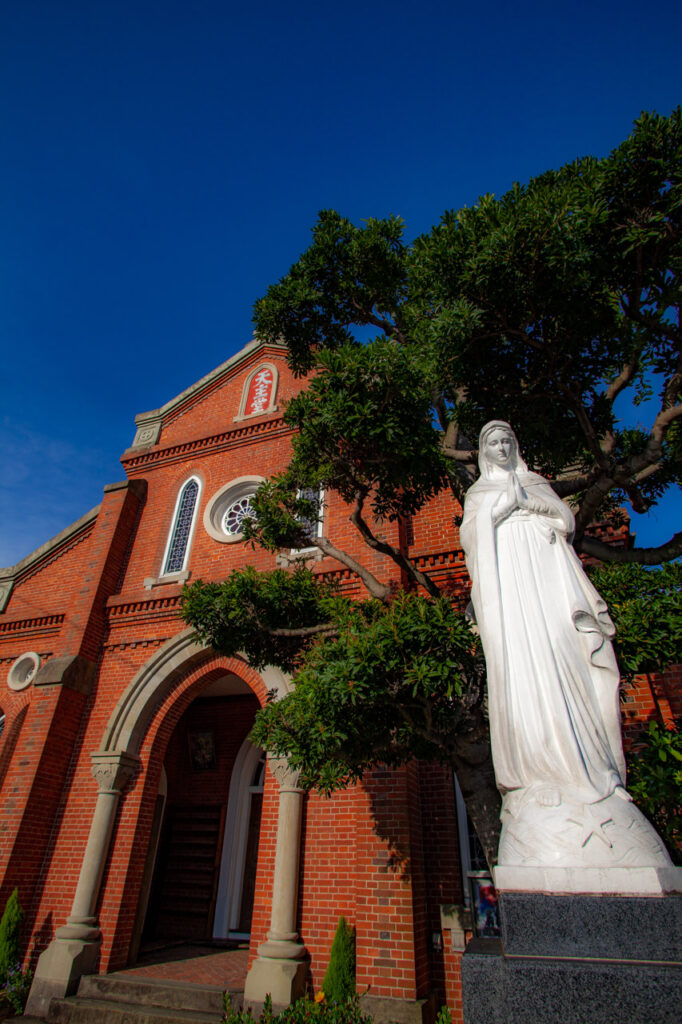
x: 254, y: 383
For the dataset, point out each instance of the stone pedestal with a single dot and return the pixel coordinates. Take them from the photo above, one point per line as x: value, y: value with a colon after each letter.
x: 597, y: 959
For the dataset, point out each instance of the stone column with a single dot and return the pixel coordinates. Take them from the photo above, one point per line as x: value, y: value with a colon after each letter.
x: 279, y: 970
x: 75, y: 947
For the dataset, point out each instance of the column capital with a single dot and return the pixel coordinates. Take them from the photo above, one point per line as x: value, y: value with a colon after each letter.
x: 113, y: 769
x: 287, y: 777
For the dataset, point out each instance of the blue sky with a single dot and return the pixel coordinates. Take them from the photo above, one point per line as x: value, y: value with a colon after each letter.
x: 163, y: 163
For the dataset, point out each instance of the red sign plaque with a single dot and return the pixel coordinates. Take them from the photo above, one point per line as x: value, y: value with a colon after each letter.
x: 260, y: 396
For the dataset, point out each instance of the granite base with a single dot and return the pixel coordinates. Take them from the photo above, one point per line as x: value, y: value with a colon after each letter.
x: 591, y: 959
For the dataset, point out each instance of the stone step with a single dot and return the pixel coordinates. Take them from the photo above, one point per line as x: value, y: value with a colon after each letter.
x: 115, y: 999
x: 173, y: 995
x: 78, y: 1010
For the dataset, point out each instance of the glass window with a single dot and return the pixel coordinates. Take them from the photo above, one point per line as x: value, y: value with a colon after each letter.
x: 182, y: 527
x: 236, y: 513
x: 313, y: 526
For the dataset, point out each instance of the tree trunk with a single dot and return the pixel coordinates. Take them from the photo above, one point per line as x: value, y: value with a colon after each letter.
x: 483, y: 802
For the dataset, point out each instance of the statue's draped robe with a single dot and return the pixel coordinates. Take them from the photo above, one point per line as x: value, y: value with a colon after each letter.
x: 552, y: 675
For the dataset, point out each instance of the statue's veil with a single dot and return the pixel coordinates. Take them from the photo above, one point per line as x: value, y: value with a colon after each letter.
x: 489, y: 470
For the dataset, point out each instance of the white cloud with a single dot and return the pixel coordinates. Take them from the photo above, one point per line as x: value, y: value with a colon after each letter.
x: 46, y: 483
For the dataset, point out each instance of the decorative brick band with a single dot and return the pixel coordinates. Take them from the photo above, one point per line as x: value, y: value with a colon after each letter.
x: 236, y: 438
x: 156, y: 642
x: 439, y: 558
x: 156, y: 607
x: 43, y: 624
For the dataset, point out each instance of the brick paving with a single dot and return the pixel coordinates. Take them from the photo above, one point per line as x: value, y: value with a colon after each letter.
x: 198, y: 965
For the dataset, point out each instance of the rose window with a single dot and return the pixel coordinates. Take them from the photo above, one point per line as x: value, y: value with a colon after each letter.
x: 236, y: 513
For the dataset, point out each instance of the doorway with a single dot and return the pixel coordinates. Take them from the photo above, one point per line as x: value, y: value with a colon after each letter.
x: 196, y: 830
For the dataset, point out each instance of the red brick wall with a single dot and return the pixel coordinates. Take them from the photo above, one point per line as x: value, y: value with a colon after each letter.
x: 654, y: 696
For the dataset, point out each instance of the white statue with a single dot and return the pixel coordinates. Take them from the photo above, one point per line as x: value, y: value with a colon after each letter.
x: 552, y: 675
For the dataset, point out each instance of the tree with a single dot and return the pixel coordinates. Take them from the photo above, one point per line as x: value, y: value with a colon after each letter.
x: 339, y: 978
x: 646, y: 607
x: 10, y: 936
x: 546, y: 307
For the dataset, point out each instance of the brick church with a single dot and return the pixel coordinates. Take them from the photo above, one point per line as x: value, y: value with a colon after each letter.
x: 136, y: 813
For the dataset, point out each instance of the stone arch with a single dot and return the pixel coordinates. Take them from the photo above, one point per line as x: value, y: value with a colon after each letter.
x: 75, y: 949
x: 136, y: 736
x: 127, y: 727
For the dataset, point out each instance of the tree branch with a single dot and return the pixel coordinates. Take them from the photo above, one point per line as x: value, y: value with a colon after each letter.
x: 664, y: 419
x: 568, y: 485
x: 594, y: 496
x: 620, y: 382
x: 384, y: 548
x: 390, y: 329
x: 644, y: 556
x: 593, y: 441
x: 652, y: 324
x: 324, y: 629
x: 301, y: 632
x: 372, y: 584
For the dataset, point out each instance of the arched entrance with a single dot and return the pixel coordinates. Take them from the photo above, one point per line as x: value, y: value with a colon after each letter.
x: 139, y: 729
x: 204, y: 874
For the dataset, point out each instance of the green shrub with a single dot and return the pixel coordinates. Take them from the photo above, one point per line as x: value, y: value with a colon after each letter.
x: 655, y: 781
x: 339, y: 980
x: 14, y: 983
x: 304, y: 1011
x: 10, y: 937
x: 16, y: 988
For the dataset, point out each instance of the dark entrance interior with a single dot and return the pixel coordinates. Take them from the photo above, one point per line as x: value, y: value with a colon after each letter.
x: 199, y: 762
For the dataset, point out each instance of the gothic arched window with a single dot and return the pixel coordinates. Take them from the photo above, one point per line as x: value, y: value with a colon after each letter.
x: 182, y: 528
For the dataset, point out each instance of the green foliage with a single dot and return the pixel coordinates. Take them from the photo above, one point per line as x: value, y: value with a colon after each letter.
x: 16, y: 988
x: 349, y: 276
x: 14, y: 982
x: 655, y: 781
x: 409, y: 672
x: 365, y: 426
x: 339, y: 978
x: 646, y: 607
x: 10, y: 936
x: 303, y: 1011
x: 550, y: 306
x: 542, y: 307
x: 410, y: 675
x: 253, y: 612
x: 284, y: 514
x: 444, y: 1016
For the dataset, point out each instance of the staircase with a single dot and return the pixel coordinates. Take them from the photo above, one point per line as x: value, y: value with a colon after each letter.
x: 190, y: 855
x: 111, y: 999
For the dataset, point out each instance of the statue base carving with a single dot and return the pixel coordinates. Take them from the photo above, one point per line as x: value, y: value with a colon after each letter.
x: 549, y: 829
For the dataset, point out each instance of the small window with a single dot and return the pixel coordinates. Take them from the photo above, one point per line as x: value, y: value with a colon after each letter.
x: 183, y: 527
x: 312, y: 527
